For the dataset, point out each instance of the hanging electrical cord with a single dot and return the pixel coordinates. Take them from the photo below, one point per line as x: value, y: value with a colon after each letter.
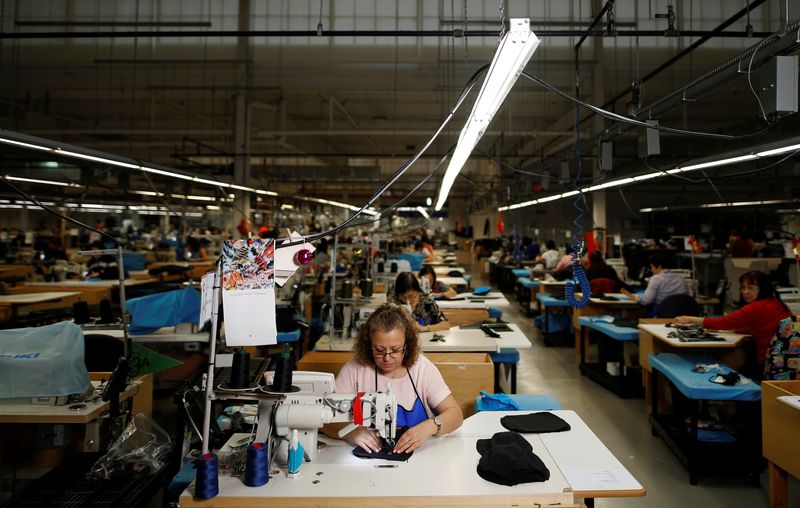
x: 624, y: 119
x: 398, y: 173
x: 578, y: 275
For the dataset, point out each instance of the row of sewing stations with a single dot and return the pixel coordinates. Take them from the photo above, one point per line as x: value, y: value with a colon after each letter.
x: 632, y: 355
x: 444, y: 473
x: 44, y: 430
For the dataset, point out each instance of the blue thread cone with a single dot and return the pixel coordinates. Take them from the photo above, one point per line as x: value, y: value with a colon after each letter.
x: 296, y: 452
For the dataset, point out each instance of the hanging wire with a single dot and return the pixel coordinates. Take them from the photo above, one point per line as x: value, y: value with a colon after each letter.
x: 624, y: 119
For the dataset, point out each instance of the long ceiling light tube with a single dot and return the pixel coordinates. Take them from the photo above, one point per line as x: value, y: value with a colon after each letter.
x: 34, y: 143
x: 512, y: 55
x: 656, y: 174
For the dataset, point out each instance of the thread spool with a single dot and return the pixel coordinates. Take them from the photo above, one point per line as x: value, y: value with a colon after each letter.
x: 207, y: 480
x: 393, y: 267
x: 282, y: 382
x: 256, y: 468
x: 240, y: 370
x: 366, y: 287
x: 381, y: 267
x: 347, y: 289
x: 106, y: 316
x: 80, y: 312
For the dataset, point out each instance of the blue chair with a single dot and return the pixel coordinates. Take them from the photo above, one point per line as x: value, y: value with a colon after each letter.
x: 510, y: 358
x: 523, y: 402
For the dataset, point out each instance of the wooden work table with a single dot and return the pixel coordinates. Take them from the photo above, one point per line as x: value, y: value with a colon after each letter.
x: 443, y: 473
x: 653, y: 339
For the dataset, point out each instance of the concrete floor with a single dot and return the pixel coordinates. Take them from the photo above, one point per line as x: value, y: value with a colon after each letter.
x: 622, y: 424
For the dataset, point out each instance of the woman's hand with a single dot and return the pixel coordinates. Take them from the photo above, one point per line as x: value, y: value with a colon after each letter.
x: 365, y: 439
x: 688, y: 320
x: 415, y: 437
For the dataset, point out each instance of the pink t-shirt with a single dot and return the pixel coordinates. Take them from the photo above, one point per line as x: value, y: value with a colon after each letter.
x: 429, y: 382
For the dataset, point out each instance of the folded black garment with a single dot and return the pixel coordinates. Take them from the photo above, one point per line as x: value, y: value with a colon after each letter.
x: 385, y: 451
x: 538, y: 423
x: 508, y: 459
x: 626, y: 322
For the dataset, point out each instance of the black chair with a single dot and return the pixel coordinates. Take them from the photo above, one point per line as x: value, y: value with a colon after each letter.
x: 678, y: 305
x: 101, y: 352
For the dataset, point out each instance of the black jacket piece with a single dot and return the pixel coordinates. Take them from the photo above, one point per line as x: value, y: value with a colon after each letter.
x: 538, y: 423
x: 508, y: 459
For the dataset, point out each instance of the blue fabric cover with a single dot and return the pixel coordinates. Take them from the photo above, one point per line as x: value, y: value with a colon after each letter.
x: 149, y: 313
x: 521, y: 272
x: 600, y: 324
x: 523, y: 401
x: 415, y: 259
x: 292, y: 336
x: 528, y: 283
x: 495, y: 402
x: 45, y: 361
x: 494, y: 312
x: 483, y: 290
x: 133, y: 261
x: 549, y: 300
x: 696, y: 385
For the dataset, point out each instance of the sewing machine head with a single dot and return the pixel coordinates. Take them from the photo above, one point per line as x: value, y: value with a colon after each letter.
x: 315, y: 405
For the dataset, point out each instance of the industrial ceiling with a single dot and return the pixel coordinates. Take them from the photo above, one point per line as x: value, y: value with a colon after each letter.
x: 327, y: 98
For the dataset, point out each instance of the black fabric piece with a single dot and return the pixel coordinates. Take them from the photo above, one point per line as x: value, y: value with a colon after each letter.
x: 626, y: 322
x: 385, y: 451
x: 508, y: 459
x: 538, y: 423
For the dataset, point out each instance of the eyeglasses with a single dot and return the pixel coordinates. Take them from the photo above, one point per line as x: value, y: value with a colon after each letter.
x: 392, y: 353
x: 748, y: 289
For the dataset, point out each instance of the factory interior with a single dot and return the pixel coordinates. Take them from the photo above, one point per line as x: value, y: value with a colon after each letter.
x: 240, y: 239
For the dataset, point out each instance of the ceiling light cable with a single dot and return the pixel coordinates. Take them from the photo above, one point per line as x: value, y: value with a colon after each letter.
x: 631, y: 121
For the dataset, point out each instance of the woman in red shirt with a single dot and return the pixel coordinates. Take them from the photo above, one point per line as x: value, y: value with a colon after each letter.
x: 759, y: 317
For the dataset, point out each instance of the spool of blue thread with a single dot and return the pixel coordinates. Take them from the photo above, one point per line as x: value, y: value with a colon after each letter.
x: 256, y: 468
x: 207, y: 481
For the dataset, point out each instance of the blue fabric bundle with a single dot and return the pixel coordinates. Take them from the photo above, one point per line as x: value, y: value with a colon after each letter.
x: 149, y: 313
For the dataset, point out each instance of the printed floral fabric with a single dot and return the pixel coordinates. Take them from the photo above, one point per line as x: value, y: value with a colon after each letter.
x: 783, y: 356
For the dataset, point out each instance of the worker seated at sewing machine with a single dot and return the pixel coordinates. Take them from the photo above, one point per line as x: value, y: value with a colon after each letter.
x: 387, y: 357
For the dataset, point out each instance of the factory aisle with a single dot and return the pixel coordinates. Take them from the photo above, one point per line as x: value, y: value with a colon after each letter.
x: 622, y: 424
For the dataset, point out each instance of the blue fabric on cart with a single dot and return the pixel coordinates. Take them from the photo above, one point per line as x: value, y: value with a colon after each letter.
x: 149, y: 313
x: 696, y: 385
x: 497, y: 402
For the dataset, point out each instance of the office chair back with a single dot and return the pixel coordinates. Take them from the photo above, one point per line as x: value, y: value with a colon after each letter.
x: 678, y: 305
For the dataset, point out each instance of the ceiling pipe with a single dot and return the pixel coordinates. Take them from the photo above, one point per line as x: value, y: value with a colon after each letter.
x: 672, y: 60
x: 128, y: 34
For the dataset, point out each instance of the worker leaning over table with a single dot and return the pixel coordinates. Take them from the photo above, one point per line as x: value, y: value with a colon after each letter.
x: 387, y: 349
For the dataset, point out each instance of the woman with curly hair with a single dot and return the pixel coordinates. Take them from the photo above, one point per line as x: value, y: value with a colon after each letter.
x: 387, y: 350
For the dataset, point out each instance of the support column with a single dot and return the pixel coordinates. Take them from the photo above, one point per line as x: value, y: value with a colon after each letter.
x: 241, y: 129
x: 598, y: 97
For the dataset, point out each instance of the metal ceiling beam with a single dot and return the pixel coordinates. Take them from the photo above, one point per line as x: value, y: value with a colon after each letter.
x: 128, y: 34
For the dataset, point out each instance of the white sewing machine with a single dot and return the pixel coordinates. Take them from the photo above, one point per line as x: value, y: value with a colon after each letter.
x: 316, y: 404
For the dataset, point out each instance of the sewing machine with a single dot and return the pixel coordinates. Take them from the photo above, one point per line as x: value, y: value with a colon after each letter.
x: 316, y: 404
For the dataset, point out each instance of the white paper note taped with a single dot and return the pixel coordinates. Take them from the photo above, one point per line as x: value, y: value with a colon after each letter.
x: 248, y: 292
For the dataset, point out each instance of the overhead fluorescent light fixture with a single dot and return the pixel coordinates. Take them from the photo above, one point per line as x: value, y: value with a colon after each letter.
x: 423, y: 212
x: 513, y: 53
x: 34, y: 143
x: 792, y: 147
